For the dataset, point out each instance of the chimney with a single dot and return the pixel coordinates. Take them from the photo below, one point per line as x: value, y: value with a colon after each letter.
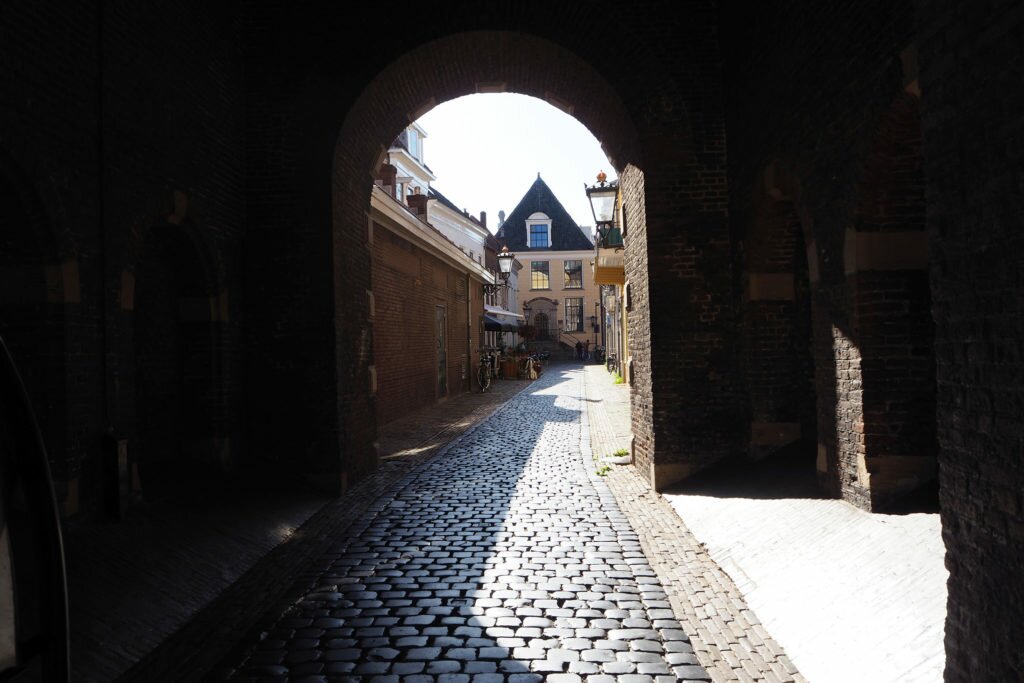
x: 418, y: 204
x: 501, y: 218
x: 386, y: 177
x: 483, y: 218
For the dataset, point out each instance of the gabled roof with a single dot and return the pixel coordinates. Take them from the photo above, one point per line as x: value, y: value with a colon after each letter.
x: 565, y: 234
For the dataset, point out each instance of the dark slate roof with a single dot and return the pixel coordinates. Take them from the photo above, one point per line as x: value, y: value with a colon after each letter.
x: 565, y: 234
x: 434, y: 194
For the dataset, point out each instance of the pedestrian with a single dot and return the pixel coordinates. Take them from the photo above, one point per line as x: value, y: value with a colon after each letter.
x: 586, y: 350
x: 579, y: 350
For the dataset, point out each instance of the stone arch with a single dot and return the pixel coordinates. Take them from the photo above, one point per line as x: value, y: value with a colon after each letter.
x: 175, y: 309
x: 544, y: 319
x: 886, y: 266
x: 39, y: 304
x: 777, y: 310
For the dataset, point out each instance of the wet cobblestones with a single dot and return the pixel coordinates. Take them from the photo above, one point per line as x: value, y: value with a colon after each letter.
x: 504, y: 559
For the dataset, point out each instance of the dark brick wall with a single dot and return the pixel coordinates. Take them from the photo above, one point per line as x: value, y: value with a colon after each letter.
x: 171, y: 145
x: 970, y: 54
x: 48, y: 159
x: 182, y: 407
x: 776, y: 338
x: 824, y: 103
x: 679, y: 256
x: 892, y: 313
x: 108, y: 109
x: 813, y: 120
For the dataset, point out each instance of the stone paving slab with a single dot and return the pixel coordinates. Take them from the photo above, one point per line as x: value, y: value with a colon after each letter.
x: 882, y: 577
x: 505, y: 557
x: 853, y: 596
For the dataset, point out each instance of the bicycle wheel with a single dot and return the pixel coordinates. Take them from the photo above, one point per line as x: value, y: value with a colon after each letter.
x: 483, y: 377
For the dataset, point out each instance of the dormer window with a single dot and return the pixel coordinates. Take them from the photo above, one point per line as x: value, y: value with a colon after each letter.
x: 414, y: 143
x: 538, y: 231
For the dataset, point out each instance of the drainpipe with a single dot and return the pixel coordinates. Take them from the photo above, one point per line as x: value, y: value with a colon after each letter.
x: 469, y: 333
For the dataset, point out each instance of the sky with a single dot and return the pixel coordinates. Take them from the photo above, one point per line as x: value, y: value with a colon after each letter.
x: 486, y: 151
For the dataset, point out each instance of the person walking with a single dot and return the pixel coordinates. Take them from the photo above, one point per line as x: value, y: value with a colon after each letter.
x: 586, y: 350
x: 579, y: 350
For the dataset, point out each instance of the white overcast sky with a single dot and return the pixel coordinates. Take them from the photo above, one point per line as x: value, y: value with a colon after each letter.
x: 486, y: 151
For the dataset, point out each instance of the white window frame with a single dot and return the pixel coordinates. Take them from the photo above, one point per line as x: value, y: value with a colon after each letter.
x: 538, y: 219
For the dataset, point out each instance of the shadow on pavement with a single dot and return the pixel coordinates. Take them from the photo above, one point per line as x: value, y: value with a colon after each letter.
x: 787, y: 473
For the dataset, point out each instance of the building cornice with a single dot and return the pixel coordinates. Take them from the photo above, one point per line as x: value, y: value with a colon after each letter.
x: 396, y: 217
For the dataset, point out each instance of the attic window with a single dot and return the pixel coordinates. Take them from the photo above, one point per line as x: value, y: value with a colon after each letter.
x: 538, y: 231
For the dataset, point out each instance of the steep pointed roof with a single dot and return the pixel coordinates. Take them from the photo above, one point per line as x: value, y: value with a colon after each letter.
x: 565, y: 234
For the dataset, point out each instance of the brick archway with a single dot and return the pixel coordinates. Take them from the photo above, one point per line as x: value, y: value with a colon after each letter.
x: 657, y: 110
x: 461, y: 64
x: 886, y: 264
x: 777, y: 313
x: 176, y: 320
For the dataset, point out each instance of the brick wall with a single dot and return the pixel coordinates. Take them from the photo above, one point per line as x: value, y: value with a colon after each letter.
x: 110, y: 108
x: 408, y: 287
x: 636, y: 300
x: 776, y: 323
x: 679, y: 258
x: 817, y: 122
x: 972, y: 128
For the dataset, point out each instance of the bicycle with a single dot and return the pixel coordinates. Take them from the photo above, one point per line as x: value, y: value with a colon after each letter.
x: 483, y: 371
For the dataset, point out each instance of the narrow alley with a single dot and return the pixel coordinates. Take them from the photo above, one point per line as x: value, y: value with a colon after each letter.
x: 504, y: 537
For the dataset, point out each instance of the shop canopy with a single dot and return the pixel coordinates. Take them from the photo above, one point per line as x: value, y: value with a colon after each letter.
x: 492, y: 324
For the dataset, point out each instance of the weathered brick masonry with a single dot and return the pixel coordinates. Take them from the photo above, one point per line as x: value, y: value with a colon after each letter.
x: 973, y: 152
x: 867, y: 166
x: 190, y: 185
x: 119, y: 120
x: 409, y: 285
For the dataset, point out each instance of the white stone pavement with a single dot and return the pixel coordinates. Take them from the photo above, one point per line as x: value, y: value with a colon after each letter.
x: 850, y: 595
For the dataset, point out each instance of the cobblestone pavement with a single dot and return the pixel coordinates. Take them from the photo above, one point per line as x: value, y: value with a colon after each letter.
x: 191, y: 651
x: 727, y: 636
x: 503, y: 558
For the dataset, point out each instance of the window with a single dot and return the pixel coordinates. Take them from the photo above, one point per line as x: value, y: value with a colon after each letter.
x: 574, y: 274
x: 540, y: 276
x: 539, y: 236
x: 574, y: 314
x: 413, y: 143
x: 538, y: 231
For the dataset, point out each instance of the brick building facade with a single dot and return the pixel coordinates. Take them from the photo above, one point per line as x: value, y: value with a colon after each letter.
x: 427, y: 305
x: 188, y: 189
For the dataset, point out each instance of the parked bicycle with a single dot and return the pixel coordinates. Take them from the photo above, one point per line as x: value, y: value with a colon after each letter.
x: 485, y: 370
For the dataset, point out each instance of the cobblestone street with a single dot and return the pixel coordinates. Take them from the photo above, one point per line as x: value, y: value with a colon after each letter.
x: 505, y: 557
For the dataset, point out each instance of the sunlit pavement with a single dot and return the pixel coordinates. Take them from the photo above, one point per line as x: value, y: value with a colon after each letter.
x: 504, y: 558
x: 852, y: 596
x: 781, y: 586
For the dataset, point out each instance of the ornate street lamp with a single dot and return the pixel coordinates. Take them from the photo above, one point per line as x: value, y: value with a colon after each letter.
x: 505, y: 259
x: 602, y: 195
